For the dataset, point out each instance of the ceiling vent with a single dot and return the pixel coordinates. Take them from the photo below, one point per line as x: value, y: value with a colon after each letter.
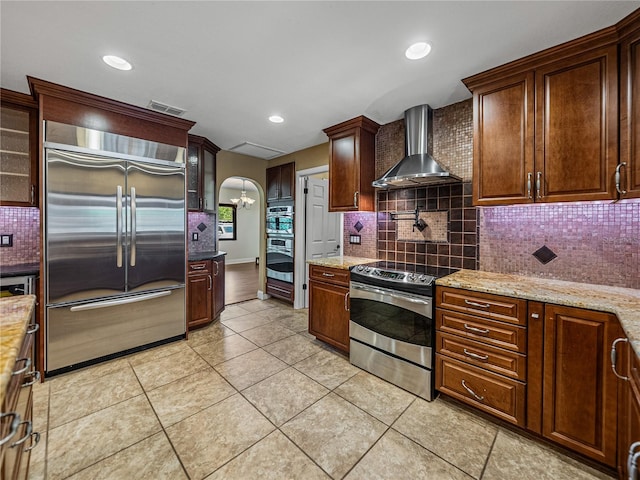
x: 255, y: 150
x: 164, y: 108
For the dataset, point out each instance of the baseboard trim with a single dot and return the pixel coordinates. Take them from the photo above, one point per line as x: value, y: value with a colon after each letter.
x: 262, y: 295
x: 240, y: 260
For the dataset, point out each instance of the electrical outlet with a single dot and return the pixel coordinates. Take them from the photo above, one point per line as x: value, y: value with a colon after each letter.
x: 194, y: 236
x: 354, y: 239
x: 6, y: 240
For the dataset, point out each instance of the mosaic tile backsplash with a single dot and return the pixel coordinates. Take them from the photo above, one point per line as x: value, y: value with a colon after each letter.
x: 206, y: 232
x: 595, y: 242
x: 368, y: 234
x: 24, y: 224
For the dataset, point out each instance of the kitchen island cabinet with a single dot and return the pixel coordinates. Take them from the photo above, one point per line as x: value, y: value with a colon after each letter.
x: 627, y: 368
x: 572, y: 394
x: 352, y: 165
x: 17, y: 375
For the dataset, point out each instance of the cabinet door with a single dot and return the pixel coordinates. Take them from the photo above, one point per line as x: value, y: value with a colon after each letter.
x: 344, y: 170
x: 579, y: 393
x: 630, y: 115
x: 194, y: 178
x: 503, y: 141
x: 19, y: 154
x: 209, y: 203
x: 273, y: 184
x: 577, y: 127
x: 218, y: 287
x: 329, y: 314
x: 199, y: 300
x: 287, y: 181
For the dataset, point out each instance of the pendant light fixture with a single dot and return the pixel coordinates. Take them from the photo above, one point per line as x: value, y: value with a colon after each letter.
x: 243, y: 201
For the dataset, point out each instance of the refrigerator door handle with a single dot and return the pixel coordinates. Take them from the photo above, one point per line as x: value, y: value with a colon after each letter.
x: 119, y: 226
x: 133, y: 227
x: 121, y: 301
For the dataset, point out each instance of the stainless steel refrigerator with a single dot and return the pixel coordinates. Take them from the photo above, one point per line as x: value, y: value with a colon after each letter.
x: 114, y: 242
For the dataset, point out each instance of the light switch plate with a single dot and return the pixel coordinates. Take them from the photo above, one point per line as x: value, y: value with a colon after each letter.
x: 6, y: 240
x: 194, y: 236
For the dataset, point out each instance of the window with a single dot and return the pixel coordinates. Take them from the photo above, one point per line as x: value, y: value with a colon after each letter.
x: 226, y: 221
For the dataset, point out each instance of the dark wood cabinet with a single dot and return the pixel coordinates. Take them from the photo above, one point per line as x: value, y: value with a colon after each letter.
x: 19, y: 149
x: 352, y: 165
x: 205, y: 291
x: 629, y: 168
x: 201, y: 174
x: 218, y: 286
x: 579, y: 407
x: 199, y: 293
x: 281, y: 182
x: 546, y: 126
x: 329, y: 305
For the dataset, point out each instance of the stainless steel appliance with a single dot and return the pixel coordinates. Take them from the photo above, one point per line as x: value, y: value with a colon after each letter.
x: 391, y: 329
x: 17, y: 285
x: 280, y: 220
x: 280, y: 258
x: 114, y: 249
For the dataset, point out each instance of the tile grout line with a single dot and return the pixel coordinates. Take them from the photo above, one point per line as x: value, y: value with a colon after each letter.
x: 486, y: 461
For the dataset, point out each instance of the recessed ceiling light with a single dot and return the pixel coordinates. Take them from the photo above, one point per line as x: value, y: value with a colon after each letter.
x: 116, y: 62
x: 276, y: 119
x: 418, y: 50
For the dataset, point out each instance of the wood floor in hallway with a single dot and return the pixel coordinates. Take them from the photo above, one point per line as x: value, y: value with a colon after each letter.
x: 241, y: 282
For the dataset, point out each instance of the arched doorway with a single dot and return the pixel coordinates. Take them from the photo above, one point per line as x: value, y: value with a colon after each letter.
x: 239, y: 236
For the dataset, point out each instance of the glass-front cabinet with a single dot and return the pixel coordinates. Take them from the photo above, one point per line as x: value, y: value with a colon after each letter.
x: 201, y: 174
x: 18, y: 149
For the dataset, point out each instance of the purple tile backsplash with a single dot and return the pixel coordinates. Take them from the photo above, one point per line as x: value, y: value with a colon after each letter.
x: 24, y: 224
x: 206, y: 238
x: 595, y: 242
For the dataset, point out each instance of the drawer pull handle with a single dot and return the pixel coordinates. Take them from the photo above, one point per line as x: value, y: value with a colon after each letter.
x: 13, y: 427
x: 480, y: 398
x: 483, y: 331
x: 630, y: 458
x: 27, y: 435
x: 482, y: 358
x: 27, y: 365
x: 32, y: 328
x: 198, y: 267
x: 36, y: 378
x: 325, y: 274
x: 33, y: 442
x: 476, y: 304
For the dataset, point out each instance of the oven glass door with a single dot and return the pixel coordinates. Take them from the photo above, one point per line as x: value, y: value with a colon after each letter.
x: 396, y: 315
x: 280, y: 259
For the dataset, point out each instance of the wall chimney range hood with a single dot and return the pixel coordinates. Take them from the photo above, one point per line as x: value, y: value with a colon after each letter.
x: 418, y: 167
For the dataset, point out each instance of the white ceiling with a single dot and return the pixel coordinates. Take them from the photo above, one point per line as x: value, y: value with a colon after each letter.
x: 233, y: 64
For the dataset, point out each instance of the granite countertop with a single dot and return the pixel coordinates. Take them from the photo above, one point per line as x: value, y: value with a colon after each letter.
x: 195, y: 256
x: 343, y: 263
x: 624, y: 302
x: 20, y: 269
x: 15, y: 314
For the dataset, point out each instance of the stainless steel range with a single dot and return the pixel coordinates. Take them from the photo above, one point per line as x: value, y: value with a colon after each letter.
x: 391, y: 331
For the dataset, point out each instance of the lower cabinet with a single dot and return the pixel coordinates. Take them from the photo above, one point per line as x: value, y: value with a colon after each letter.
x: 628, y: 368
x: 540, y: 366
x: 329, y: 305
x: 280, y: 289
x: 205, y: 291
x: 16, y: 452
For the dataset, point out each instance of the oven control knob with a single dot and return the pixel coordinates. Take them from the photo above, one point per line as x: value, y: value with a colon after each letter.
x: 411, y: 277
x: 359, y: 268
x: 367, y: 269
x: 423, y: 278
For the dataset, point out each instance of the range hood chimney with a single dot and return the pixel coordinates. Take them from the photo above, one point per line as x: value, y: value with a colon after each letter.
x: 418, y: 167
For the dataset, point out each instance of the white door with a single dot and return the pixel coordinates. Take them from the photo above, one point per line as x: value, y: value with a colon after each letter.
x: 323, y: 227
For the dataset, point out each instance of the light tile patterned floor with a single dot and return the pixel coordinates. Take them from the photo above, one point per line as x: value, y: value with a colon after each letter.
x: 256, y: 397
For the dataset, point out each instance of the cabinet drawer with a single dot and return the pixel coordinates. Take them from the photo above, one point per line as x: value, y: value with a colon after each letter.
x: 496, y: 307
x: 200, y: 267
x: 328, y: 274
x: 498, y: 334
x: 492, y: 393
x: 497, y: 360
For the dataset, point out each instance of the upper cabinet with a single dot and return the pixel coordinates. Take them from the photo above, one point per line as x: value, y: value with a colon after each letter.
x: 562, y: 124
x: 281, y: 182
x: 546, y: 127
x: 201, y: 174
x: 18, y: 149
x: 628, y: 175
x: 352, y: 147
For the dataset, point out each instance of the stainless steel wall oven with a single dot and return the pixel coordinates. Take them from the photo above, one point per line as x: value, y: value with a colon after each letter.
x: 280, y: 258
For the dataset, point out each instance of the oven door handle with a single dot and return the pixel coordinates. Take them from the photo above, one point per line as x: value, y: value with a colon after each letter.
x: 402, y: 300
